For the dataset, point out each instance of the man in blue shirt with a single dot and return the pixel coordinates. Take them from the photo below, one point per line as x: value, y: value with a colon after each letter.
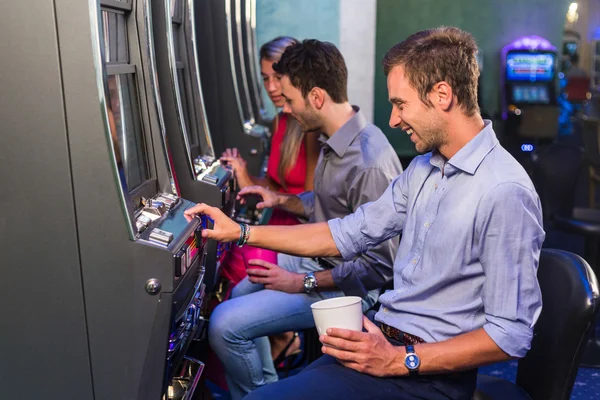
x: 465, y: 287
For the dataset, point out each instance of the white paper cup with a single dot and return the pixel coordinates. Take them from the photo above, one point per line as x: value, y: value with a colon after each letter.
x: 339, y: 312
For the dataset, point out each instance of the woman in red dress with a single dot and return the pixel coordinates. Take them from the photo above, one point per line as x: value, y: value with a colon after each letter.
x: 292, y: 161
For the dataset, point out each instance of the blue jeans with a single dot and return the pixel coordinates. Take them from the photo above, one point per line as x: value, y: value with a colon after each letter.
x: 239, y: 327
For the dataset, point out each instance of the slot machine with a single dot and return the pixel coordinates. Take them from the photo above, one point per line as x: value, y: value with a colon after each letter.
x: 106, y: 302
x: 199, y: 175
x: 528, y: 91
x: 226, y: 82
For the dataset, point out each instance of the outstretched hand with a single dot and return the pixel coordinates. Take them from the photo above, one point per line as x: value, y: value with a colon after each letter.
x: 366, y: 352
x: 269, y: 199
x: 224, y: 229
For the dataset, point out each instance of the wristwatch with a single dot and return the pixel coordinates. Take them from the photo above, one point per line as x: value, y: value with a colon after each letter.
x: 310, y: 282
x: 412, y: 360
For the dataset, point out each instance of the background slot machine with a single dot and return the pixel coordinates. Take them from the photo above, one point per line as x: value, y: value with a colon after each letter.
x: 225, y: 85
x: 105, y: 303
x: 200, y: 176
x: 528, y: 95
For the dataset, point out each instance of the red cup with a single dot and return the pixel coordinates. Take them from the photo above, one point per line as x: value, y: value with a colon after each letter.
x: 254, y: 253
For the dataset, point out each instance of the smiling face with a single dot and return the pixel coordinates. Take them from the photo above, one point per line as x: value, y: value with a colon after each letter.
x: 299, y: 107
x: 272, y: 82
x: 424, y: 124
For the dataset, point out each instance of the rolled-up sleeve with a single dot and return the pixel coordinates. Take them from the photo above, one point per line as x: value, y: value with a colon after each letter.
x: 368, y: 238
x: 511, y: 236
x: 308, y: 201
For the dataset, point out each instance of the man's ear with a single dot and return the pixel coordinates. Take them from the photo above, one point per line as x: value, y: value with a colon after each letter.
x: 316, y: 97
x: 442, y: 95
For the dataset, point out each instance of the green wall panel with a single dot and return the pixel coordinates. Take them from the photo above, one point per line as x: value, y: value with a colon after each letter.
x: 493, y: 23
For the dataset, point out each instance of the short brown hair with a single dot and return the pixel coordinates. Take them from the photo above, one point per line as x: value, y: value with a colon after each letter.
x: 313, y: 63
x: 435, y: 55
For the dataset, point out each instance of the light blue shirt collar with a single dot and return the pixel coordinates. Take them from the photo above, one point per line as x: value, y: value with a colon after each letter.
x: 470, y: 156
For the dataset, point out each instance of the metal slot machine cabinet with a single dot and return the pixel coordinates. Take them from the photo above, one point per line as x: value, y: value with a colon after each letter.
x: 105, y: 303
x: 232, y: 103
x: 199, y: 175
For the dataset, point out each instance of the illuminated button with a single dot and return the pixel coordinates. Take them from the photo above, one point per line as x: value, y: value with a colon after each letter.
x: 385, y: 309
x: 427, y: 224
x: 414, y: 261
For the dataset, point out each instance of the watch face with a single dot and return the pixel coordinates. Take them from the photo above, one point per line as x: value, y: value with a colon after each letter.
x: 412, y: 361
x: 310, y: 282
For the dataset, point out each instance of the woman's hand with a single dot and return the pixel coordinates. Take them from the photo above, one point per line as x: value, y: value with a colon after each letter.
x: 231, y: 153
x: 233, y: 159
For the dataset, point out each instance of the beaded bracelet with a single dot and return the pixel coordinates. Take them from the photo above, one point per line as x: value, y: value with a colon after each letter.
x: 240, y: 240
x: 247, y: 235
x: 244, y: 235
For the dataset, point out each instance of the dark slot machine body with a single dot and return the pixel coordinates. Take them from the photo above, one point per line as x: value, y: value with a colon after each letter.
x: 121, y: 274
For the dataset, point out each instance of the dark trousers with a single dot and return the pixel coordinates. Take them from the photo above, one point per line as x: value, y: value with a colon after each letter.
x: 326, y: 379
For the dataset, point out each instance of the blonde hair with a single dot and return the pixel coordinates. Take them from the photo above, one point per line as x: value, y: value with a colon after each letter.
x: 293, y: 135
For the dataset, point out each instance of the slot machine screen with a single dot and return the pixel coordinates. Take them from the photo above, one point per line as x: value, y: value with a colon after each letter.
x: 532, y: 94
x: 530, y: 67
x: 569, y: 48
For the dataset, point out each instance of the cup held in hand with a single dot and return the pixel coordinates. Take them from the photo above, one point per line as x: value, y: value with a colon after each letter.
x: 255, y: 253
x: 339, y: 312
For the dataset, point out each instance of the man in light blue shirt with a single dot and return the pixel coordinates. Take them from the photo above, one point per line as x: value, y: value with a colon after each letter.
x: 465, y: 287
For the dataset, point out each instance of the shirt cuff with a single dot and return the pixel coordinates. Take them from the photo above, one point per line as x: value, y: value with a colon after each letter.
x: 344, y: 246
x: 512, y: 337
x: 308, y: 202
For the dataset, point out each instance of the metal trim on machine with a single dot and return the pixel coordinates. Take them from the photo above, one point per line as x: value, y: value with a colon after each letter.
x: 240, y: 53
x: 196, y: 68
x: 175, y: 82
x: 232, y: 61
x: 156, y: 94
